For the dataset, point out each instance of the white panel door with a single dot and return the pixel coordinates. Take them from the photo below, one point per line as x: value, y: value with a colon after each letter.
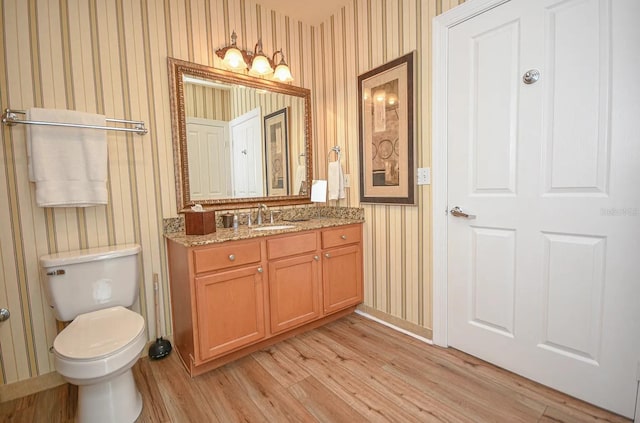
x: 247, y: 153
x: 208, y: 150
x: 545, y: 280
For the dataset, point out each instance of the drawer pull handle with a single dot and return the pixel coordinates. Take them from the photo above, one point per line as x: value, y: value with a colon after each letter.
x: 327, y: 255
x: 344, y: 237
x: 232, y: 257
x: 260, y: 269
x: 316, y: 258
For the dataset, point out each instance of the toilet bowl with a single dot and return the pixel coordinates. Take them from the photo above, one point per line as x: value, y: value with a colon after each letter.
x: 96, y: 352
x: 92, y: 288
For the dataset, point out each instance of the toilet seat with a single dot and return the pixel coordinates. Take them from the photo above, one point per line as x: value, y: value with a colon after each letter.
x: 98, y: 334
x: 98, y: 344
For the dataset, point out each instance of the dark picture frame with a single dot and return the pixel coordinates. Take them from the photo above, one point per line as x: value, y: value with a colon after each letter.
x: 386, y: 133
x: 276, y: 149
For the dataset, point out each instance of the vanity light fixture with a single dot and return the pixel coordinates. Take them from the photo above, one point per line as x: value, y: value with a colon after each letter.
x: 231, y: 55
x: 282, y: 72
x: 256, y: 62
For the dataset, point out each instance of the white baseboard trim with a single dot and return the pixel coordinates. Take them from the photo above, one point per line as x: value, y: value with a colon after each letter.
x: 394, y: 327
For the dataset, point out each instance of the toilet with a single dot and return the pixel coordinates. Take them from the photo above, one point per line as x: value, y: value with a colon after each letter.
x: 96, y: 351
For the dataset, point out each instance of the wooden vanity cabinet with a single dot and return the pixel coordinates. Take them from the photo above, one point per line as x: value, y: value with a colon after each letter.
x: 342, y: 267
x: 218, y: 298
x: 230, y: 307
x: 232, y: 298
x: 294, y: 280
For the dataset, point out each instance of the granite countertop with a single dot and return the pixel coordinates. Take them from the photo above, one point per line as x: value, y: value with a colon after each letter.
x: 245, y: 232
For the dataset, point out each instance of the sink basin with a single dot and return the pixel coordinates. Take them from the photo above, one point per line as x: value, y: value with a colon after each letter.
x: 273, y: 228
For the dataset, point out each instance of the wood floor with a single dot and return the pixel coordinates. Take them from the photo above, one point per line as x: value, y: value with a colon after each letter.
x: 352, y: 370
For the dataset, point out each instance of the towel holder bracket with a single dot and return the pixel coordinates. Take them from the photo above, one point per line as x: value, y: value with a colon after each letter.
x: 336, y: 149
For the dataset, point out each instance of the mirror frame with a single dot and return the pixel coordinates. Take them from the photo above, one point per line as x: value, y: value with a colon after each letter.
x: 177, y: 69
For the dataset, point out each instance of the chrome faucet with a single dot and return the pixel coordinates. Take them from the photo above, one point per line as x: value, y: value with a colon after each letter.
x: 259, y: 216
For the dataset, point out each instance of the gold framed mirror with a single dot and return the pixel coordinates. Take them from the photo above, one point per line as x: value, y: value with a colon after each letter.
x: 238, y: 140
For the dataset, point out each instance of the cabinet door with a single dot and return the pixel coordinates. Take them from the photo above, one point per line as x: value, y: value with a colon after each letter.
x: 342, y: 277
x: 294, y: 291
x: 230, y: 309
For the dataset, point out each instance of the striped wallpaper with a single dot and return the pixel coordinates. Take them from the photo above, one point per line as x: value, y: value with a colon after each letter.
x: 109, y: 57
x: 207, y: 102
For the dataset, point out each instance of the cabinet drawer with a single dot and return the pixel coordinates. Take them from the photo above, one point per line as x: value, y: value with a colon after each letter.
x: 226, y: 256
x: 291, y: 245
x: 342, y: 235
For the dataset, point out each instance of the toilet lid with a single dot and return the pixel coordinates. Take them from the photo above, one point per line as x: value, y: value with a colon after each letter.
x: 98, y: 333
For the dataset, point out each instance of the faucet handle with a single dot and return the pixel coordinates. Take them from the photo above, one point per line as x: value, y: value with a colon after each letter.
x: 274, y: 212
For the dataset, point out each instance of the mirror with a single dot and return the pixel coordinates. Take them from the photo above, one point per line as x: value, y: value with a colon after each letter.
x: 238, y: 140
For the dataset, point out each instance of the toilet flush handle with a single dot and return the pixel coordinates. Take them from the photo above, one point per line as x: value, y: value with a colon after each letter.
x: 56, y: 272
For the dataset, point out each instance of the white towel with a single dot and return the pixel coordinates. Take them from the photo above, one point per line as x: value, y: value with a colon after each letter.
x: 301, y: 175
x: 68, y: 165
x: 335, y: 181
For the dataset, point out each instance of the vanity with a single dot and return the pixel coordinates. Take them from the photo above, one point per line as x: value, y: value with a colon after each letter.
x: 235, y: 292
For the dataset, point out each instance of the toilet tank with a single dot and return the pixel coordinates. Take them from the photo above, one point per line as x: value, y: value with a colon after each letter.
x: 91, y: 279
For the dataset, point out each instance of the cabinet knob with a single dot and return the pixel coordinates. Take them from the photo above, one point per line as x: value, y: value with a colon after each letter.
x: 232, y: 257
x: 327, y: 255
x: 344, y: 237
x: 260, y: 269
x: 316, y: 258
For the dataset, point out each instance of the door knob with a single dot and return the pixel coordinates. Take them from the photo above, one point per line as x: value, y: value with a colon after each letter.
x: 531, y: 76
x: 457, y: 212
x: 4, y: 314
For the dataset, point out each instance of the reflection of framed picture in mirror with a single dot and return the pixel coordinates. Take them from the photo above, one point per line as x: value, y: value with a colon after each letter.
x: 276, y: 140
x: 386, y: 133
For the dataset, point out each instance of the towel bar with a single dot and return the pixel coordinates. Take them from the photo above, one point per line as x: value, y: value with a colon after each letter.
x: 10, y: 118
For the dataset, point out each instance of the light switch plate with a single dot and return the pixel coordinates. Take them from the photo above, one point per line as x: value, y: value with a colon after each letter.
x: 424, y: 175
x: 347, y: 180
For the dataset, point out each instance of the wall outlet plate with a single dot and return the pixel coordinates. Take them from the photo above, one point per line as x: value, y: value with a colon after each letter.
x: 424, y: 175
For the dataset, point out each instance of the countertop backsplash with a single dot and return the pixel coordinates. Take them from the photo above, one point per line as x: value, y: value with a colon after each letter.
x: 176, y: 224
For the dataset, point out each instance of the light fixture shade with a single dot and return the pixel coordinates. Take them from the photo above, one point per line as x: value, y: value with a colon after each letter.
x: 233, y: 59
x: 260, y: 66
x: 282, y: 73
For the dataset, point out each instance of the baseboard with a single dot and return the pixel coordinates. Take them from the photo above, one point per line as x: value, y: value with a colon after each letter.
x: 415, y: 331
x: 30, y: 386
x: 44, y: 382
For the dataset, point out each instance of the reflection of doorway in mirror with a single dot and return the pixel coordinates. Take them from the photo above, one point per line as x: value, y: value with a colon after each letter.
x: 209, y: 177
x: 246, y: 151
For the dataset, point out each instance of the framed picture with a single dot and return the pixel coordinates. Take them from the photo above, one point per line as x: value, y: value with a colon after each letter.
x: 386, y: 113
x: 276, y: 147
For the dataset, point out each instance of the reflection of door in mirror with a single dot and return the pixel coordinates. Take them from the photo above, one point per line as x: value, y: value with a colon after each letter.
x: 232, y: 104
x: 207, y: 140
x: 204, y: 92
x: 247, y: 154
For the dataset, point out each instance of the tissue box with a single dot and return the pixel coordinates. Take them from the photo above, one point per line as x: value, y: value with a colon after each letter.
x: 199, y: 223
